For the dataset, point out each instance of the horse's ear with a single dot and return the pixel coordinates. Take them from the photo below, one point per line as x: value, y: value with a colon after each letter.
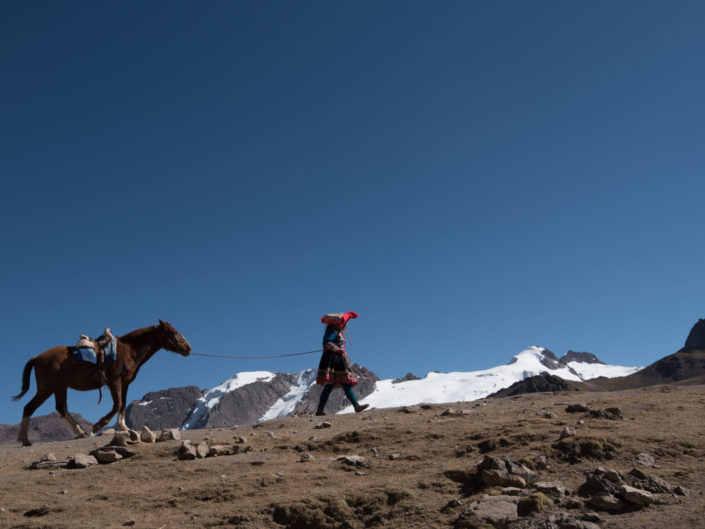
x: 161, y: 323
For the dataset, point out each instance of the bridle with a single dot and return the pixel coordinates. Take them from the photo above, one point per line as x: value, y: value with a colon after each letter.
x: 166, y: 337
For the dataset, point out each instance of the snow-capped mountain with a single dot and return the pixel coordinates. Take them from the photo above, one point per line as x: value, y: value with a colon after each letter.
x: 468, y: 386
x: 250, y: 397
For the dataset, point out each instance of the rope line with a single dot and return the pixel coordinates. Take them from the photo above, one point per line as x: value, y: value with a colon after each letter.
x: 257, y: 357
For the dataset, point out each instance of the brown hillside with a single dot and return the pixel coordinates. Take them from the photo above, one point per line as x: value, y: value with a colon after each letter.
x: 420, y: 469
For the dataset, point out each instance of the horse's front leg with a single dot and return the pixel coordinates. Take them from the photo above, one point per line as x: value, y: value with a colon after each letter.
x: 121, y: 424
x: 116, y: 393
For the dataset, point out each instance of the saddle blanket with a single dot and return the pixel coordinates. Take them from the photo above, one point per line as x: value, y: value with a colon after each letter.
x: 87, y: 354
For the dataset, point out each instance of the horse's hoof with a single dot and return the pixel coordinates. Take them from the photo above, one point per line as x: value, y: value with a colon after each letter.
x: 26, y: 443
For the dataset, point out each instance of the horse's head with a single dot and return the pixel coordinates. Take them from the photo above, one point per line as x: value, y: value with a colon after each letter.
x: 172, y: 340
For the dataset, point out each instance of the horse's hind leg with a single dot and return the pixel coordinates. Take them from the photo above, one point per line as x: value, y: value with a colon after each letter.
x: 29, y: 409
x: 116, y: 393
x: 62, y: 408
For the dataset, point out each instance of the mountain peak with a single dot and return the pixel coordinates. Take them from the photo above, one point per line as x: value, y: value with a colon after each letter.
x: 586, y: 358
x: 696, y: 337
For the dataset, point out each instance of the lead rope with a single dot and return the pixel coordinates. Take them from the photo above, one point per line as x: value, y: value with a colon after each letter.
x: 257, y: 357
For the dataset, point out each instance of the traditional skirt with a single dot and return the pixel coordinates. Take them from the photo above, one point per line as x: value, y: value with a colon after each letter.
x: 335, y: 369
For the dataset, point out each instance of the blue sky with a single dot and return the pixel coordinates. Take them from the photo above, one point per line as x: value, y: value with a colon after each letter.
x: 471, y: 177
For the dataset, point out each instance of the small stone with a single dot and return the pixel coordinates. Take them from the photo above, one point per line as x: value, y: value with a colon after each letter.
x: 306, y: 457
x: 545, y: 414
x: 680, y: 491
x: 83, y: 461
x: 219, y: 450
x: 64, y: 492
x: 134, y: 436
x: 129, y: 523
x: 606, y: 502
x: 322, y: 425
x: 636, y: 496
x: 202, y: 449
x: 187, y: 451
x: 240, y: 440
x: 107, y: 432
x: 106, y: 457
x: 120, y: 439
x: 148, y: 436
x: 541, y: 462
x: 48, y: 457
x: 352, y: 460
x: 271, y: 435
x: 568, y: 431
x: 577, y: 408
x: 645, y: 460
x: 392, y: 457
x: 375, y: 452
x: 170, y: 434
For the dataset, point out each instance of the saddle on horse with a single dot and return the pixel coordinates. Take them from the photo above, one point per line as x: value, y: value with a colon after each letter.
x: 94, y: 352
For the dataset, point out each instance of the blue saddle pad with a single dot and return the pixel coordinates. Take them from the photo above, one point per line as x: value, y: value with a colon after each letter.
x: 87, y: 355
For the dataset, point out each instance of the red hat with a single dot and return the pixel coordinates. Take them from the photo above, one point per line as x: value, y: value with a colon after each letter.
x: 339, y: 318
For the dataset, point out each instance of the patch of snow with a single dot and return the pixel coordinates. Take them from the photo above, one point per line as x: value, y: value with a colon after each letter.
x: 286, y: 405
x: 437, y: 388
x: 588, y: 371
x: 144, y: 403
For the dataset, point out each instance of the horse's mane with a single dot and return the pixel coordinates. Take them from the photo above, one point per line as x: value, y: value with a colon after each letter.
x: 136, y: 336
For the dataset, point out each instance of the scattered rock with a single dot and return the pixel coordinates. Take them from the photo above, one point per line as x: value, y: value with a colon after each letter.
x: 499, y: 471
x: 41, y: 511
x: 495, y: 510
x: 134, y: 436
x: 202, y: 449
x: 170, y: 434
x: 608, y: 503
x: 451, y: 505
x: 562, y: 520
x: 554, y: 488
x: 148, y: 436
x: 187, y: 451
x: 107, y: 432
x: 645, y: 460
x: 82, y: 461
x: 240, y: 440
x: 322, y: 425
x: 541, y: 462
x: 120, y: 439
x: 219, y: 450
x: 130, y: 523
x: 607, y: 413
x: 545, y: 414
x: 106, y: 457
x: 568, y: 431
x: 636, y: 496
x: 306, y: 457
x: 352, y: 460
x: 577, y: 408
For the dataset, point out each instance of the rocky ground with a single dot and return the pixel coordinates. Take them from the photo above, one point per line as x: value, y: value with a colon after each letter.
x: 634, y: 459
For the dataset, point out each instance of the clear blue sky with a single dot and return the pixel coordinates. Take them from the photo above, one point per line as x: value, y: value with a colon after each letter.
x: 472, y: 177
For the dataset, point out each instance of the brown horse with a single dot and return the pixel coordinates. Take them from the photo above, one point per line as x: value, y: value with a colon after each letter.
x: 55, y: 372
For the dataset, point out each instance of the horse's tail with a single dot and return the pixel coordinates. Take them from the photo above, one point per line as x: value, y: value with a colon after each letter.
x: 25, y: 378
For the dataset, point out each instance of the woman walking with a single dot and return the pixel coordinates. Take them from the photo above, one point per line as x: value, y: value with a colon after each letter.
x: 334, y: 370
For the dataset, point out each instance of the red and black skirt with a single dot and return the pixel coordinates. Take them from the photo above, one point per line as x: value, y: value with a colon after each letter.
x: 335, y: 369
